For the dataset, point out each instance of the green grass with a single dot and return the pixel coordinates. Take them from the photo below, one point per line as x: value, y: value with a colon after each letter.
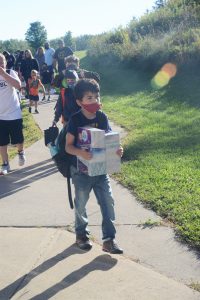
x: 162, y: 149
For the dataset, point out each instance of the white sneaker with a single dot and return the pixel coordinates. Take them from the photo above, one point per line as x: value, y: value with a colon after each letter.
x: 22, y: 158
x: 5, y: 168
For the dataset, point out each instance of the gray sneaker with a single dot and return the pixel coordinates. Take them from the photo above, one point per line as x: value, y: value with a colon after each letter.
x: 5, y: 168
x: 22, y: 158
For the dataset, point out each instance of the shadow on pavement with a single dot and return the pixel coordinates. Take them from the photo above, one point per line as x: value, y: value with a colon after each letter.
x: 20, y: 179
x: 102, y: 262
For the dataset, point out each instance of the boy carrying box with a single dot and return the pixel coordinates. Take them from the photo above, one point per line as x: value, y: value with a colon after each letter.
x: 88, y: 98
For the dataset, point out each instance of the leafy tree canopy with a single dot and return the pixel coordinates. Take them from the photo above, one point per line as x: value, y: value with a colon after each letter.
x: 36, y: 35
x: 68, y: 40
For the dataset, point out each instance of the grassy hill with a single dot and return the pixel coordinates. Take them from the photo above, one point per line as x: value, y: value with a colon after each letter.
x: 162, y: 149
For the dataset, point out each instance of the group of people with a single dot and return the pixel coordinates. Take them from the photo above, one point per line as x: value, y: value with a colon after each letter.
x: 78, y: 105
x: 46, y: 63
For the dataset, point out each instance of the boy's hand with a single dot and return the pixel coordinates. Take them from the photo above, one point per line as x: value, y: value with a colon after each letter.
x: 120, y: 151
x: 86, y: 154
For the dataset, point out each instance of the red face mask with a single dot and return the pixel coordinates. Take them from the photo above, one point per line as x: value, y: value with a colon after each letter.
x: 92, y: 108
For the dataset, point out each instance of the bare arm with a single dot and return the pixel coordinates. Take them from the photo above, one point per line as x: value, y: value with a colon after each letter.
x: 43, y: 89
x: 15, y: 82
x: 120, y: 151
x: 71, y: 149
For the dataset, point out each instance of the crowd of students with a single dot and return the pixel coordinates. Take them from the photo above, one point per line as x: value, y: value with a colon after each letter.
x: 78, y: 105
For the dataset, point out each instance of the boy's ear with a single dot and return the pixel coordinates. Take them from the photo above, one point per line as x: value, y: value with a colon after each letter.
x: 78, y: 102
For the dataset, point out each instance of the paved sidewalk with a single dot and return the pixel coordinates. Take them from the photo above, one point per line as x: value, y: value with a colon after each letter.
x: 40, y: 261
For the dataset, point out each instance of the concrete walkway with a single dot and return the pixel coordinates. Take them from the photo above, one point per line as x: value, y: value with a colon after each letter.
x: 38, y: 258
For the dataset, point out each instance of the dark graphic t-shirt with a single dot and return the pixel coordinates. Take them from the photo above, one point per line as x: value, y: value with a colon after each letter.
x: 79, y: 120
x: 60, y: 55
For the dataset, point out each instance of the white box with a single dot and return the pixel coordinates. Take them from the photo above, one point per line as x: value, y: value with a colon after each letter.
x: 96, y: 165
x: 103, y: 147
x: 113, y: 161
x: 91, y: 137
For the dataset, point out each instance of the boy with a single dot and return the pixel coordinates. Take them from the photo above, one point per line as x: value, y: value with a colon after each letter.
x: 46, y: 79
x: 66, y: 104
x: 11, y: 122
x: 72, y: 63
x: 34, y: 83
x: 87, y: 97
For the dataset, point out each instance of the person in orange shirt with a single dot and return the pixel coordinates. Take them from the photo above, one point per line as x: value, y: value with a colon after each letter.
x: 34, y: 83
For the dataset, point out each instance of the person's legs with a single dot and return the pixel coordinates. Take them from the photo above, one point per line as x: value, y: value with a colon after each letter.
x: 35, y: 100
x: 4, y: 141
x: 48, y: 91
x: 82, y: 190
x: 17, y: 138
x: 82, y: 186
x: 5, y: 167
x: 4, y: 153
x: 35, y: 103
x: 103, y: 193
x: 30, y: 104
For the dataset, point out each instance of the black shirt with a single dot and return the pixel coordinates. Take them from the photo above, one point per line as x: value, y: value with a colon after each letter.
x: 79, y: 120
x: 60, y: 55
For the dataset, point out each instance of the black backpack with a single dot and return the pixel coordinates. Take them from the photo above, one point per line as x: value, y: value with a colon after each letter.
x: 62, y: 160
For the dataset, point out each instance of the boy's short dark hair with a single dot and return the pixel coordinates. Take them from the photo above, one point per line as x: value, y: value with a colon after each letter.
x: 85, y: 85
x: 71, y: 74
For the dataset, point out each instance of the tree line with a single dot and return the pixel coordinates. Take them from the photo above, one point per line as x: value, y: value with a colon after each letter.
x: 169, y: 32
x: 36, y: 36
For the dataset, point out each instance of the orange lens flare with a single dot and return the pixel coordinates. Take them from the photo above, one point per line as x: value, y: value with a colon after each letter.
x: 163, y: 76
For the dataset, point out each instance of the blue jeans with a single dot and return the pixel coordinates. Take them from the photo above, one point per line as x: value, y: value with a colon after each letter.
x: 101, y: 186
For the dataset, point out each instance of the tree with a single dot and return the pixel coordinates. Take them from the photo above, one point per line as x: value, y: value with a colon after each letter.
x: 13, y: 45
x: 36, y: 35
x: 159, y: 4
x: 82, y: 41
x: 68, y: 39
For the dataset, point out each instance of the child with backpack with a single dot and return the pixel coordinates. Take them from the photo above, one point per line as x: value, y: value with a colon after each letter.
x: 72, y: 62
x: 34, y: 83
x: 66, y: 104
x: 88, y: 98
x: 46, y: 76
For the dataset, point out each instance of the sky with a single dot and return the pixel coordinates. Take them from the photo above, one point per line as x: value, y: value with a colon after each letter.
x: 59, y: 16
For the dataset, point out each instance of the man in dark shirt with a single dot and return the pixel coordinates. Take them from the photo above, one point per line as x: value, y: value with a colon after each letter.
x: 60, y: 54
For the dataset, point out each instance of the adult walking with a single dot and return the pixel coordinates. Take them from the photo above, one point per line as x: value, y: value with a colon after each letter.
x: 11, y: 123
x: 49, y: 54
x: 40, y: 57
x: 27, y: 65
x: 60, y: 54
